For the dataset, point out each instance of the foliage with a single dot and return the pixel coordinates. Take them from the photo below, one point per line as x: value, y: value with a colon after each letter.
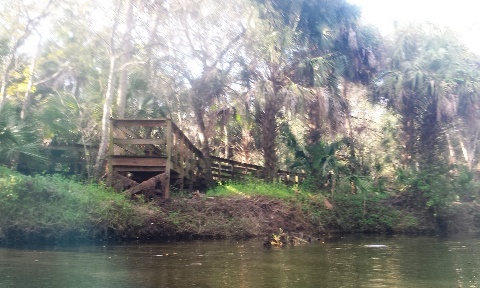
x: 53, y: 207
x: 321, y: 163
x: 19, y: 142
x: 425, y: 82
x: 357, y: 213
x: 330, y: 169
x: 434, y: 187
x: 465, y: 186
x: 68, y: 123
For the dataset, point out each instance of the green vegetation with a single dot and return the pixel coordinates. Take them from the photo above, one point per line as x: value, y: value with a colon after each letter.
x: 355, y: 213
x: 254, y: 187
x: 52, y: 207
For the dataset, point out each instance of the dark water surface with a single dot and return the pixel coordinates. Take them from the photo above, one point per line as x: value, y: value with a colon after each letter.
x: 353, y: 261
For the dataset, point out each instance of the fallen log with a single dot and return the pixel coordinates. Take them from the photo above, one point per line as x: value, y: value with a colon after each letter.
x: 121, y: 182
x: 147, y: 187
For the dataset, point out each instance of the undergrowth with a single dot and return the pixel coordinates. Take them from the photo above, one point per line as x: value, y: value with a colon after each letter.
x: 52, y: 207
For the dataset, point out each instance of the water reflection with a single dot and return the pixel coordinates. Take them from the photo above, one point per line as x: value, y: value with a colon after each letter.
x: 350, y: 262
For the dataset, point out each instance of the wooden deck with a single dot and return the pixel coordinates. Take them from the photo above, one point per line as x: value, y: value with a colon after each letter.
x: 150, y: 156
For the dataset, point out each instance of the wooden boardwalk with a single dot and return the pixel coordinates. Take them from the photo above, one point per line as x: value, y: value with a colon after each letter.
x: 150, y: 156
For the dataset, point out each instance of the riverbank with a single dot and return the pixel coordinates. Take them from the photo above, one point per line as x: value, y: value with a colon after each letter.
x: 52, y: 208
x: 244, y: 216
x: 258, y: 216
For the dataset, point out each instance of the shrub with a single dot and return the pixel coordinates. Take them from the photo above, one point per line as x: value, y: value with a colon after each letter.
x: 357, y: 213
x: 432, y: 187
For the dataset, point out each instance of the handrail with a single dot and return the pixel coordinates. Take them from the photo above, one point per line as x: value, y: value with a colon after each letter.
x: 190, y: 144
x: 233, y: 162
x: 247, y: 168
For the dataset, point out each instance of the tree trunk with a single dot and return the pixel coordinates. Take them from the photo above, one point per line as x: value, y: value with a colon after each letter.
x: 452, y: 159
x: 27, y: 100
x: 5, y: 80
x: 205, y: 145
x: 151, y: 41
x: 408, y: 134
x: 469, y: 152
x: 99, y: 167
x: 463, y: 147
x: 348, y: 117
x: 315, y: 110
x: 245, y: 143
x: 268, y: 124
x: 226, y: 142
x: 473, y: 152
x: 353, y: 164
x: 124, y: 60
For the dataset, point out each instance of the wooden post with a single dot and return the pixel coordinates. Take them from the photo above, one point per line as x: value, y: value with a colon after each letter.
x: 185, y: 157
x: 181, y: 161
x: 190, y: 167
x: 110, y: 154
x: 168, y: 165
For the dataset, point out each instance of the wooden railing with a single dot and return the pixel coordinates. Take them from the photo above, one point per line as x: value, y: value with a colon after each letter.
x: 226, y: 169
x: 152, y: 146
x: 186, y: 159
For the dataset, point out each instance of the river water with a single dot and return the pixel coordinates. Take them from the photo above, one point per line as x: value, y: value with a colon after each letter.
x: 353, y: 261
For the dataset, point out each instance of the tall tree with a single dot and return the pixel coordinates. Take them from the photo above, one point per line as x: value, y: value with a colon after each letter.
x: 125, y: 58
x: 201, y: 50
x: 23, y: 18
x: 112, y: 48
x: 423, y: 84
x: 309, y: 46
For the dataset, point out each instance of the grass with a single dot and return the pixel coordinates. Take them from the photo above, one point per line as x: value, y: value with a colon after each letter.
x: 254, y: 187
x: 53, y: 207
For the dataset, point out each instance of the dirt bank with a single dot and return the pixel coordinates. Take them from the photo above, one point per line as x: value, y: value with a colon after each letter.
x: 259, y: 216
x: 461, y: 218
x: 226, y: 217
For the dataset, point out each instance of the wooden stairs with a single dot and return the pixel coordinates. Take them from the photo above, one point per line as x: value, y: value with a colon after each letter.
x: 150, y: 156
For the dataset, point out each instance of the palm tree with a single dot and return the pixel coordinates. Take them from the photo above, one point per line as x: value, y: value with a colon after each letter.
x: 20, y: 142
x: 422, y: 84
x: 302, y: 59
